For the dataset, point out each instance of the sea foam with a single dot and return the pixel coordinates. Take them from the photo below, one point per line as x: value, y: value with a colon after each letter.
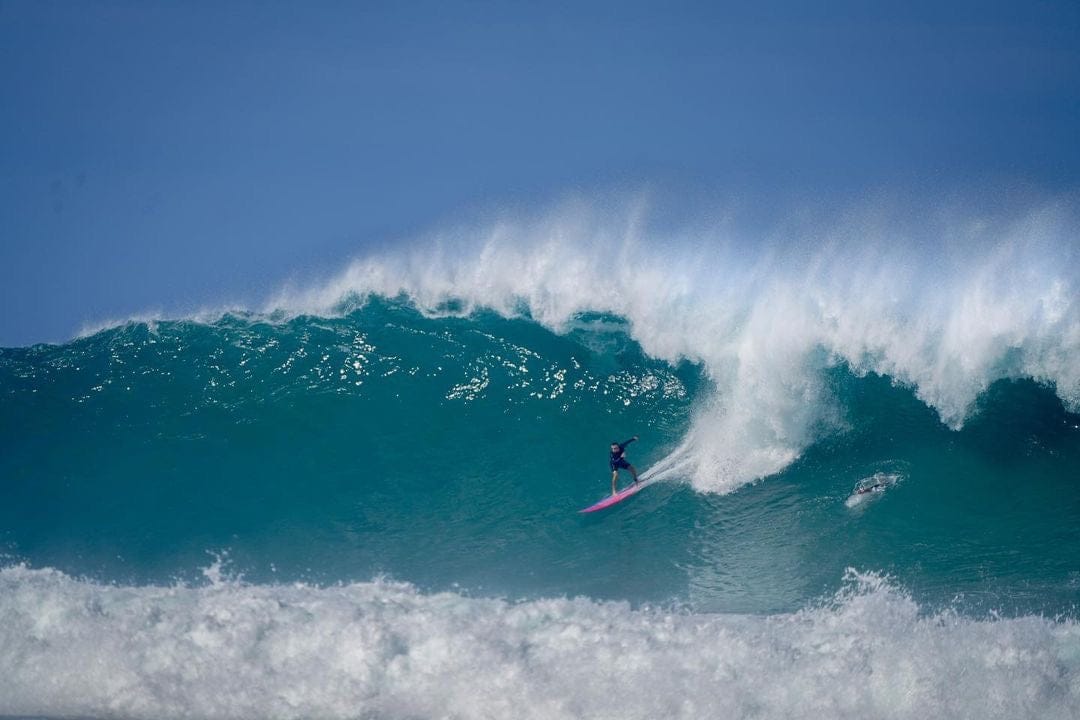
x: 227, y: 649
x: 944, y: 306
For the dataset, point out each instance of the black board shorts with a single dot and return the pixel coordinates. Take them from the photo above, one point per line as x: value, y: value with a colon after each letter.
x: 620, y: 463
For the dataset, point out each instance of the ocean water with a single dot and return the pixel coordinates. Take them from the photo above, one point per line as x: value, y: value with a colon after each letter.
x: 361, y: 501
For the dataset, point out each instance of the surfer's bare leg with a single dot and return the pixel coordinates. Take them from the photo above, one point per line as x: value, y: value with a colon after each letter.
x: 614, y: 478
x: 633, y: 471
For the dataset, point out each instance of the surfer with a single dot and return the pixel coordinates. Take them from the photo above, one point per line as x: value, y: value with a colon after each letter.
x: 618, y: 460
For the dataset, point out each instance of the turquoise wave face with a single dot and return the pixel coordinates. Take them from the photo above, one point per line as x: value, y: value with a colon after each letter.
x: 455, y: 453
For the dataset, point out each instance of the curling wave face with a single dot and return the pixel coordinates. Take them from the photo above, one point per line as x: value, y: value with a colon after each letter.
x: 946, y: 310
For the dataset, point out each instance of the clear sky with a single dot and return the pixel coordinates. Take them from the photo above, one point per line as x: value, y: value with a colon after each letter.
x: 166, y: 156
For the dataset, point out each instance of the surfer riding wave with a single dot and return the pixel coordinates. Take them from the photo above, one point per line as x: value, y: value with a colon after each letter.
x: 618, y: 461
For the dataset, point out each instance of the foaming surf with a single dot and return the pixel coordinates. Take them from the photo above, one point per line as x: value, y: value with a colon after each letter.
x: 226, y: 649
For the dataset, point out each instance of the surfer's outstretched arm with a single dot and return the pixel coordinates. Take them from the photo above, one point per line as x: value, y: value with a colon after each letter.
x: 624, y: 443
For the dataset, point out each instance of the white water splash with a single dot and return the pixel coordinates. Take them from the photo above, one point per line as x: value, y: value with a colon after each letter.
x: 75, y: 648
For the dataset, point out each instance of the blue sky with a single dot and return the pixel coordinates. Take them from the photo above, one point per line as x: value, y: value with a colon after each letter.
x: 167, y: 156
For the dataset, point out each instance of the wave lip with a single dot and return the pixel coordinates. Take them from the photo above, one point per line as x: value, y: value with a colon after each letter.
x: 380, y: 649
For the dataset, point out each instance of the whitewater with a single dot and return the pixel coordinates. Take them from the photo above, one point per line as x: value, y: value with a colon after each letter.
x: 359, y: 499
x: 384, y: 650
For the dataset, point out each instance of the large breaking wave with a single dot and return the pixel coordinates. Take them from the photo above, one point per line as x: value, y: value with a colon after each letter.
x: 946, y: 305
x: 453, y: 453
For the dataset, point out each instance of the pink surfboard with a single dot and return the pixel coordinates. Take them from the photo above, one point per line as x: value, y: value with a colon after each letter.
x: 617, y: 498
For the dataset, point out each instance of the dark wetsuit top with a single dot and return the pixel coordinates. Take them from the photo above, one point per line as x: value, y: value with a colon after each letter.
x: 617, y: 459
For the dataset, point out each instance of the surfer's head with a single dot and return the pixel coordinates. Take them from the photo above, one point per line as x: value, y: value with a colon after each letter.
x: 614, y: 446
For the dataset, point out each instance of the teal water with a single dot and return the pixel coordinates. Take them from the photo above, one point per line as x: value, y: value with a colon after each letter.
x: 453, y: 453
x: 362, y: 502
